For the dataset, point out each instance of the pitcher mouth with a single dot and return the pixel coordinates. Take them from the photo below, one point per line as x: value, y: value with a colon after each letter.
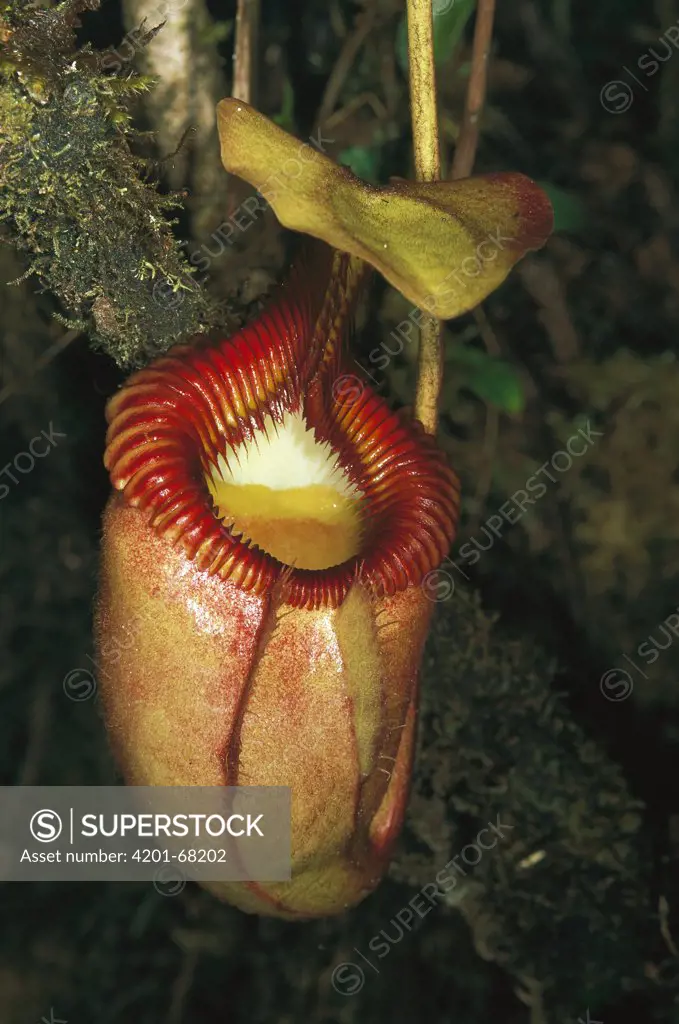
x: 288, y: 495
x: 177, y: 426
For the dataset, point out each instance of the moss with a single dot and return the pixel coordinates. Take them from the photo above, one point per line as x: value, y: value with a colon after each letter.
x: 76, y: 198
x: 561, y: 902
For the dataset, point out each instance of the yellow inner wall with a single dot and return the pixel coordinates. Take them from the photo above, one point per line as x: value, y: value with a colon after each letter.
x: 311, y: 527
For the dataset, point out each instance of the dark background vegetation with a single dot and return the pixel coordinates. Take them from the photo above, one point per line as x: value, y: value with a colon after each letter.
x: 575, y: 913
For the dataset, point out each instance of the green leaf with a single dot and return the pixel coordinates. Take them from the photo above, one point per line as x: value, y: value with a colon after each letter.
x: 286, y: 118
x: 217, y: 32
x: 492, y: 380
x: 364, y: 162
x: 570, y: 213
x: 450, y: 19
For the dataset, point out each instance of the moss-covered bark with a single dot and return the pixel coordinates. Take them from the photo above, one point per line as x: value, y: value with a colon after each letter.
x: 77, y: 200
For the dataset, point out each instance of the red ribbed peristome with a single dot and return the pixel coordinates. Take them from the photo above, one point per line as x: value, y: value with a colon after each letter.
x: 171, y: 421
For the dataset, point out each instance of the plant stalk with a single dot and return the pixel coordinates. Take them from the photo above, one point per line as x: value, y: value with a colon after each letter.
x: 245, y: 52
x: 465, y: 151
x: 427, y: 155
